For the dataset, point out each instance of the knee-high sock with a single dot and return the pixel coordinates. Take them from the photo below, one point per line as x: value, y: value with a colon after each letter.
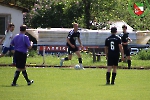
x: 113, y: 78
x: 108, y: 77
x: 14, y: 59
x: 129, y: 64
x: 80, y: 60
x: 17, y: 73
x: 25, y: 75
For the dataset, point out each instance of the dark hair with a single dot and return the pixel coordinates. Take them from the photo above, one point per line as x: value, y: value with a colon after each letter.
x: 124, y: 26
x: 113, y: 30
x: 23, y: 28
x: 11, y: 24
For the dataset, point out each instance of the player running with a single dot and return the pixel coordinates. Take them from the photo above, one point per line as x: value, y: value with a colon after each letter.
x: 113, y: 47
x: 7, y: 39
x: 72, y: 47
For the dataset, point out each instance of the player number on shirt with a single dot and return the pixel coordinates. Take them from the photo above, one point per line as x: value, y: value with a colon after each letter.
x: 112, y: 45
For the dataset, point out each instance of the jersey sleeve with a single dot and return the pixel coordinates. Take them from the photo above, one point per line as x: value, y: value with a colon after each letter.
x: 78, y: 35
x: 70, y: 34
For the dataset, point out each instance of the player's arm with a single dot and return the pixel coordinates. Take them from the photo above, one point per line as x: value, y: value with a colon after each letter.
x: 2, y: 40
x: 31, y: 44
x: 106, y: 48
x: 4, y: 37
x: 79, y: 40
x: 130, y: 40
x: 106, y: 51
x: 121, y: 50
x: 28, y: 42
x: 68, y: 41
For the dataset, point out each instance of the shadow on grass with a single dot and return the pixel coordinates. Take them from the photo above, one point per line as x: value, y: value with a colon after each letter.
x: 11, y: 86
x: 67, y: 68
x: 105, y: 85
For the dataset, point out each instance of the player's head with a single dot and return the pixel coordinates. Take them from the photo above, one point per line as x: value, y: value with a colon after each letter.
x: 23, y: 28
x: 124, y: 28
x: 75, y: 26
x: 113, y: 30
x: 11, y: 27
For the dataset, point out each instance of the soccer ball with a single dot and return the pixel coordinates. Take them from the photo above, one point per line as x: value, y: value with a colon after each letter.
x: 77, y: 67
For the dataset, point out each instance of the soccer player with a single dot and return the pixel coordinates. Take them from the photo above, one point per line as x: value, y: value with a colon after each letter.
x: 72, y: 47
x: 125, y: 41
x: 113, y: 47
x: 7, y: 39
x: 21, y: 44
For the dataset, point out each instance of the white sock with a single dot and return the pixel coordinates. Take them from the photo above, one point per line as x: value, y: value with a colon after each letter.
x: 62, y: 59
x: 80, y: 65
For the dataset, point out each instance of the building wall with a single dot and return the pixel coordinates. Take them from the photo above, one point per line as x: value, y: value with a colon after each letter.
x: 16, y: 16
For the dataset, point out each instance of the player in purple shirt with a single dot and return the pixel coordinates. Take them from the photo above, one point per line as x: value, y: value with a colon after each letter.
x: 21, y: 44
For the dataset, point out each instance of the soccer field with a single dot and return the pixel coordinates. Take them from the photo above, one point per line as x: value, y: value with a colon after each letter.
x: 70, y: 84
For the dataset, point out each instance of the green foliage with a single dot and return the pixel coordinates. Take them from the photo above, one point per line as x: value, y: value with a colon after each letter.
x: 61, y: 13
x: 143, y: 55
x: 32, y: 53
x: 51, y: 13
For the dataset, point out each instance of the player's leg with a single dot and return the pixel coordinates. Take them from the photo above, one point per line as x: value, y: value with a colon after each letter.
x: 109, y: 67
x: 22, y: 63
x: 128, y: 59
x: 17, y: 72
x: 16, y: 76
x: 4, y: 51
x: 66, y: 58
x: 114, y: 73
x: 108, y: 73
x: 79, y: 59
x: 24, y: 73
x: 13, y: 51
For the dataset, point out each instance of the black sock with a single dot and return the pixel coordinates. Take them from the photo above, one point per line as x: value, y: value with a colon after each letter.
x: 66, y: 58
x: 25, y: 75
x: 129, y: 64
x: 113, y: 78
x: 80, y: 60
x: 14, y: 59
x: 17, y: 73
x: 108, y: 77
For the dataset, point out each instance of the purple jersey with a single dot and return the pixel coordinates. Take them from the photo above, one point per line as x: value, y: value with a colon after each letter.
x: 21, y: 43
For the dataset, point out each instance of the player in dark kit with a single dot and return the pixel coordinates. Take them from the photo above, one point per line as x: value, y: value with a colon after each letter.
x: 113, y: 47
x: 125, y: 40
x: 72, y: 47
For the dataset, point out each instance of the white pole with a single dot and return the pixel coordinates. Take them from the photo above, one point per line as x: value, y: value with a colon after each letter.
x: 43, y: 54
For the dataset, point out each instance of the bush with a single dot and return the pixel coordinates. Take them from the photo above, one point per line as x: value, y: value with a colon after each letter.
x: 143, y: 55
x: 32, y: 53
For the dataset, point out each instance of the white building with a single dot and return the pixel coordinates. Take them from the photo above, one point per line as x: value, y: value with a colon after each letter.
x: 10, y: 13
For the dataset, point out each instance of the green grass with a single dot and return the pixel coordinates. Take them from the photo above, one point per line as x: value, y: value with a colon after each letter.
x: 70, y: 84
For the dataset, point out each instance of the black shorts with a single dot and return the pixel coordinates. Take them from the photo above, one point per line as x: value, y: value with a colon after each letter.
x: 112, y: 60
x: 72, y: 50
x: 20, y: 59
x: 127, y: 52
